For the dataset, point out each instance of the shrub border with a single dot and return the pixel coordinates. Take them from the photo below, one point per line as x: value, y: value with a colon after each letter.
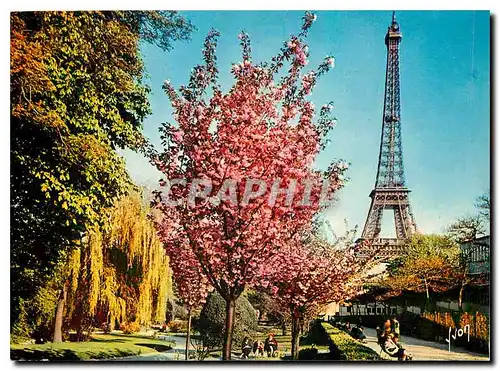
x: 344, y: 347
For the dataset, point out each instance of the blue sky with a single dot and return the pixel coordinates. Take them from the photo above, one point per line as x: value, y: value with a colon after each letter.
x: 445, y: 85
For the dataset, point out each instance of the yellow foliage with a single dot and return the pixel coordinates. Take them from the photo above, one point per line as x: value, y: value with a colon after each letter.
x: 123, y: 272
x: 443, y: 319
x: 479, y: 324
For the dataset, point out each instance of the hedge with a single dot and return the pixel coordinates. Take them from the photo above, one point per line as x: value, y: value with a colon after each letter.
x: 344, y: 347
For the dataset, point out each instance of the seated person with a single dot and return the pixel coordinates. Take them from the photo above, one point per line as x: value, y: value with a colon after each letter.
x: 246, y: 348
x: 391, y: 347
x: 357, y: 333
x: 271, y: 345
x: 258, y: 348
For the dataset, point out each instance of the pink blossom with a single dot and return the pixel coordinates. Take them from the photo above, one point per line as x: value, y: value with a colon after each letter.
x: 331, y: 62
x: 225, y: 246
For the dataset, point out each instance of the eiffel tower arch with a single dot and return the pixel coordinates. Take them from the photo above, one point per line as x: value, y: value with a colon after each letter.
x: 390, y: 192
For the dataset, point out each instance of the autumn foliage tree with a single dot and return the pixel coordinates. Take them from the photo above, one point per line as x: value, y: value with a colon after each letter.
x: 117, y: 274
x: 429, y: 263
x: 231, y: 154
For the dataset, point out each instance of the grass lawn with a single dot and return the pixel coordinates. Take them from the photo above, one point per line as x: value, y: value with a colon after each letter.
x: 284, y: 342
x: 99, y: 347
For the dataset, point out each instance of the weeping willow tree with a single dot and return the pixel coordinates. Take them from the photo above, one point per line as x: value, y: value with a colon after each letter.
x: 118, y: 274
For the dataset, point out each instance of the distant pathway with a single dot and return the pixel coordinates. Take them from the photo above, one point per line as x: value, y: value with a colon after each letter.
x: 174, y: 354
x: 423, y: 350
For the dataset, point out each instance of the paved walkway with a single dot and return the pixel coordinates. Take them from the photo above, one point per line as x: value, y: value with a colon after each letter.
x: 423, y: 350
x: 174, y: 354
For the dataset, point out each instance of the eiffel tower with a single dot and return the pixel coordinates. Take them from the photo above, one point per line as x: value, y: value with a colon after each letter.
x: 390, y: 192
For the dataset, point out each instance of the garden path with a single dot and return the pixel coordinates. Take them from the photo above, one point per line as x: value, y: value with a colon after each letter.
x: 423, y: 350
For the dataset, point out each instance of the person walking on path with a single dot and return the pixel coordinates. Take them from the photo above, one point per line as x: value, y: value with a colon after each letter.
x: 395, y: 326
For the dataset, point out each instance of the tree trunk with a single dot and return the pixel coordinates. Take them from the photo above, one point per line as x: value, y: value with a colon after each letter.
x: 188, y: 336
x: 295, y: 337
x: 58, y: 323
x: 228, y: 332
x: 460, y: 297
x: 283, y: 328
x: 426, y: 289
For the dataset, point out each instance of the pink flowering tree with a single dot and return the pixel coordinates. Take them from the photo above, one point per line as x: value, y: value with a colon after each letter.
x: 239, y: 165
x: 322, y: 273
x: 192, y: 285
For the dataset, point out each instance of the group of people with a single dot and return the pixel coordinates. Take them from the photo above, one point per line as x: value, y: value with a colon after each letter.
x: 388, y: 335
x: 270, y: 346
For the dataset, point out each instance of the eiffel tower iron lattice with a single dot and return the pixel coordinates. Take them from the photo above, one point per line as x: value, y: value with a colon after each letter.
x: 390, y: 192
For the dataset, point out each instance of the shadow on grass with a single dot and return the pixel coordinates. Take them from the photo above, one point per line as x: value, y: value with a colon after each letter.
x: 115, y: 340
x: 317, y: 357
x: 157, y: 347
x: 38, y: 355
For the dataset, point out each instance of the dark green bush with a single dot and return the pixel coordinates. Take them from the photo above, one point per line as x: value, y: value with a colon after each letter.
x: 211, y: 322
x: 308, y: 354
x: 316, y: 335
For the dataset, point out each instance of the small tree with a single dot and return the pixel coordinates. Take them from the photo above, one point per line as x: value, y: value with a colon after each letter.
x: 465, y: 231
x: 192, y: 285
x: 320, y: 274
x: 266, y: 304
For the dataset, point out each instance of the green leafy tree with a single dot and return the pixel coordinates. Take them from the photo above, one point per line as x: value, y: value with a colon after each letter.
x: 77, y: 95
